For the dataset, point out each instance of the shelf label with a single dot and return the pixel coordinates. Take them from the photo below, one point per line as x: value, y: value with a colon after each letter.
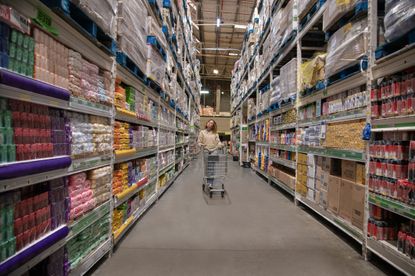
x: 45, y: 21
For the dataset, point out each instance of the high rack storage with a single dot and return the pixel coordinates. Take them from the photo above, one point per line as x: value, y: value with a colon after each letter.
x: 99, y: 110
x: 326, y: 89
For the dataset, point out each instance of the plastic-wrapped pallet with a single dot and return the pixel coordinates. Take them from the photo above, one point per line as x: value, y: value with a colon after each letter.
x: 132, y: 38
x: 156, y: 66
x: 346, y: 46
x: 153, y: 29
x: 275, y: 90
x: 102, y: 12
x: 313, y: 70
x: 399, y: 18
x: 336, y: 9
x: 283, y: 24
x: 288, y: 78
x: 303, y: 6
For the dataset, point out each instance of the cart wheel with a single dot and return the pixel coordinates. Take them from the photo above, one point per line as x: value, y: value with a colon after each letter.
x: 210, y: 194
x: 203, y: 187
x: 222, y: 194
x: 223, y: 186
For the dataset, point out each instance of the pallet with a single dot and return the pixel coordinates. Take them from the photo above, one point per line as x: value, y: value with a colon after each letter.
x: 166, y: 33
x: 395, y: 45
x: 154, y: 6
x: 167, y: 4
x: 129, y: 64
x: 289, y: 39
x: 359, y: 11
x: 172, y: 103
x: 320, y: 85
x: 348, y: 72
x: 153, y: 85
x: 153, y: 41
x: 86, y: 26
x: 309, y: 15
x: 265, y: 88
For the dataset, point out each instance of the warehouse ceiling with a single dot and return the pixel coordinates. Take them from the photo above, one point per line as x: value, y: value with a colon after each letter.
x: 220, y: 47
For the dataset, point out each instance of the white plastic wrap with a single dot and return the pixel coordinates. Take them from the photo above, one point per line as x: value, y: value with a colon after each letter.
x: 275, y: 90
x: 335, y: 10
x: 346, y: 46
x: 153, y: 29
x: 288, y: 78
x: 283, y: 24
x: 102, y: 12
x: 132, y: 31
x: 156, y: 66
x: 399, y: 18
x: 303, y: 6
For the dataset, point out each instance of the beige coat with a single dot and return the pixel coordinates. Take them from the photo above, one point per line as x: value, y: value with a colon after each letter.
x: 209, y: 140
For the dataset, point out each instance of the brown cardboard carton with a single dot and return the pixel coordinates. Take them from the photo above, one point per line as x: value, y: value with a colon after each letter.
x: 334, y: 193
x: 360, y: 173
x: 318, y: 184
x: 323, y: 199
x: 345, y: 206
x: 349, y: 170
x: 358, y: 205
x: 317, y: 197
x: 319, y: 171
x: 326, y: 164
x: 335, y: 167
x: 320, y: 161
x: 325, y: 181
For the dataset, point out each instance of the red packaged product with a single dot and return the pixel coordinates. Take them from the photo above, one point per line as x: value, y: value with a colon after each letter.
x: 374, y: 94
x: 30, y: 120
x: 18, y: 226
x: 25, y: 221
x: 396, y: 86
x: 19, y: 242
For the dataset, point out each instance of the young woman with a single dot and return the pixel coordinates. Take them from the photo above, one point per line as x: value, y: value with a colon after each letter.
x: 209, y: 140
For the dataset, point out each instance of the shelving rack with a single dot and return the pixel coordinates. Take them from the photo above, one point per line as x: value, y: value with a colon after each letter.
x: 184, y: 129
x: 371, y: 69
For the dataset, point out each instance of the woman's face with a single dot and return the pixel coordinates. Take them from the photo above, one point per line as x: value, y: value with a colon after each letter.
x: 210, y: 125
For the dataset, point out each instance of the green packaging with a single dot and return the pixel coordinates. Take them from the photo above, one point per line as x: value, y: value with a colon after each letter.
x: 3, y: 153
x: 12, y: 50
x: 13, y: 37
x: 11, y: 153
x: 19, y: 39
x: 25, y: 41
x: 19, y: 54
x: 3, y: 251
x: 7, y: 135
x: 31, y: 58
x: 31, y: 45
x: 25, y: 57
x: 3, y: 104
x: 11, y: 246
x: 29, y: 70
x: 23, y: 68
x: 12, y: 65
x: 7, y: 118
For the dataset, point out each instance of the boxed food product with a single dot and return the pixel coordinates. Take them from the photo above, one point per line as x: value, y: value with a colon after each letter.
x: 358, y: 205
x: 348, y: 170
x: 345, y: 135
x: 346, y: 45
x: 360, y: 173
x: 345, y: 202
x: 288, y: 79
x: 334, y: 193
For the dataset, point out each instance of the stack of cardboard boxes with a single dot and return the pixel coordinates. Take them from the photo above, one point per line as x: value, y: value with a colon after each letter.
x: 339, y: 188
x: 301, y: 185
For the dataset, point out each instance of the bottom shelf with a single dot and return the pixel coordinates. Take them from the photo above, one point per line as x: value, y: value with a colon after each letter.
x: 282, y: 185
x: 340, y: 223
x: 91, y: 259
x: 389, y: 253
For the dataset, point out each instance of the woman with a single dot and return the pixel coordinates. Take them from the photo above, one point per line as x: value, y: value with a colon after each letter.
x: 209, y: 140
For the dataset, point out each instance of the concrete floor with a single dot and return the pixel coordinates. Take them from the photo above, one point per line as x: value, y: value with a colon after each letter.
x: 255, y: 230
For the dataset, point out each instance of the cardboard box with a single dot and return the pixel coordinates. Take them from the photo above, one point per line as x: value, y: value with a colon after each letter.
x: 311, y: 183
x: 319, y: 171
x: 311, y: 194
x: 286, y: 179
x: 302, y: 158
x: 311, y: 172
x: 349, y: 170
x: 317, y: 196
x: 334, y: 193
x: 325, y: 181
x: 345, y: 206
x: 326, y: 163
x: 318, y: 184
x: 320, y: 161
x: 360, y: 173
x: 335, y: 167
x: 311, y: 160
x: 358, y: 205
x: 323, y: 199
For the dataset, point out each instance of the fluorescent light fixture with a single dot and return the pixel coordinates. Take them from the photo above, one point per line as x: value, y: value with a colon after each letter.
x: 222, y: 92
x: 204, y: 91
x: 233, y: 54
x: 215, y: 71
x: 218, y: 22
x: 238, y: 26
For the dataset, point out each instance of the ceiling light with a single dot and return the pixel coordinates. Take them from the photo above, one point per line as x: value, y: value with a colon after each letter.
x: 215, y: 71
x: 222, y: 92
x: 238, y: 26
x: 218, y: 22
x: 204, y: 91
x: 233, y: 54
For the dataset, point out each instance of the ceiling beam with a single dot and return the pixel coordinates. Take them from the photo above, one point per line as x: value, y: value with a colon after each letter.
x: 221, y: 56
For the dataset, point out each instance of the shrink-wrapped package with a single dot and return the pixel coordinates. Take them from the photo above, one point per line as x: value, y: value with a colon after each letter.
x: 336, y: 9
x: 312, y: 71
x: 288, y: 78
x: 399, y: 18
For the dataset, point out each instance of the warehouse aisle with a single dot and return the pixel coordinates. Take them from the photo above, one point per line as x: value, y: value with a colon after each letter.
x: 255, y: 231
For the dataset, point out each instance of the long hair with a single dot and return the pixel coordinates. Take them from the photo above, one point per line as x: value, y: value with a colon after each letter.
x: 214, y: 128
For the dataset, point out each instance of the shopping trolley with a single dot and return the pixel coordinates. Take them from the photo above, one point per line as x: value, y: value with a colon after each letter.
x: 215, y: 165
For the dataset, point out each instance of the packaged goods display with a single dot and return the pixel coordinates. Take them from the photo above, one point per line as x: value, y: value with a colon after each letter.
x: 263, y: 100
x: 336, y: 9
x: 288, y: 79
x: 346, y: 46
x: 284, y: 137
x: 31, y: 131
x: 88, y: 240
x: 275, y: 90
x: 166, y: 138
x: 90, y: 135
x: 349, y: 100
x: 128, y: 136
x: 29, y: 213
x: 282, y: 154
x: 311, y: 136
x: 393, y: 95
x: 166, y: 158
x: 350, y: 133
x: 284, y: 176
x: 124, y: 213
x: 164, y: 179
x: 55, y: 264
x: 88, y: 190
x: 399, y: 18
x: 156, y: 65
x: 285, y: 118
x: 262, y: 131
